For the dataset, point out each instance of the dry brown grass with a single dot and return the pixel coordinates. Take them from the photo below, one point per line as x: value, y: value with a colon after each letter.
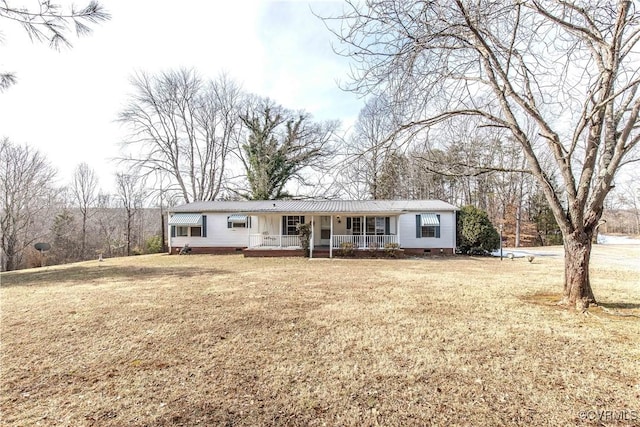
x: 224, y: 340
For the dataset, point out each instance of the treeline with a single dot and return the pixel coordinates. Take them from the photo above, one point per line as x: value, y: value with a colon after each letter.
x: 78, y: 221
x: 465, y: 163
x: 191, y: 138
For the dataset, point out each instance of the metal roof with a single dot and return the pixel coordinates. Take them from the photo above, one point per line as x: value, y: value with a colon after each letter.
x: 317, y: 206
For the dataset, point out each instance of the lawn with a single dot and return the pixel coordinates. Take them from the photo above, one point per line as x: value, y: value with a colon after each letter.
x: 223, y: 340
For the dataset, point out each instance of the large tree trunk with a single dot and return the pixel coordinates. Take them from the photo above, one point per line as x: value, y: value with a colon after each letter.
x: 577, y: 287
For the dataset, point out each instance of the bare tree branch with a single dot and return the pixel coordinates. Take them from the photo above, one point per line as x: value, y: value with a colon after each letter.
x: 51, y: 23
x: 183, y: 127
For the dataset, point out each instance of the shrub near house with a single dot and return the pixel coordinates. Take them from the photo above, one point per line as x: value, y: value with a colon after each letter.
x: 476, y: 234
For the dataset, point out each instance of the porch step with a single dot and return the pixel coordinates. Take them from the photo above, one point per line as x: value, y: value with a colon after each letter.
x: 261, y: 252
x: 321, y: 253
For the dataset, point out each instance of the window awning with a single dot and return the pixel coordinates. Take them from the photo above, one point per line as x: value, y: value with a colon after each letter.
x: 185, y: 219
x: 237, y: 219
x: 428, y: 219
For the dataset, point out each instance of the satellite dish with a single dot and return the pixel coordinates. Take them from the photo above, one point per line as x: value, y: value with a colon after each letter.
x: 42, y: 246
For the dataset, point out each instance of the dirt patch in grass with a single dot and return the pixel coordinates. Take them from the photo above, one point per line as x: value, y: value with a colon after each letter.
x: 227, y: 340
x: 612, y: 310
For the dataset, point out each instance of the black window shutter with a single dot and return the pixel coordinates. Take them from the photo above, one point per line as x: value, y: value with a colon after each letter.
x: 387, y: 225
x: 284, y: 225
x: 418, y: 226
x: 204, y: 226
x: 173, y: 231
x: 438, y: 227
x: 229, y: 225
x: 302, y: 219
x: 348, y: 223
x: 248, y: 222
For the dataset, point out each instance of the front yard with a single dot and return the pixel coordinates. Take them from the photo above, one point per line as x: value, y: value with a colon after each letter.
x: 226, y: 340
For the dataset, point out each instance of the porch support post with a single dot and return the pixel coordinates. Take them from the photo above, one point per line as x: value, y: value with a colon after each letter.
x: 331, y: 239
x: 280, y: 233
x: 312, y: 236
x: 363, y: 231
x: 251, y: 231
x: 169, y: 233
x: 398, y: 230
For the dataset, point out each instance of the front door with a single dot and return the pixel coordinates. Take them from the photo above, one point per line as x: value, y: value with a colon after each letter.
x: 325, y: 230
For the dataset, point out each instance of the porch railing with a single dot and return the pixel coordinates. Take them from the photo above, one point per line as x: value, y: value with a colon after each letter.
x: 273, y: 241
x: 364, y: 241
x: 358, y: 241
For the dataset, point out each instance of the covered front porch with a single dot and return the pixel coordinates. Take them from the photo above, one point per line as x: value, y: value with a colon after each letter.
x: 328, y: 232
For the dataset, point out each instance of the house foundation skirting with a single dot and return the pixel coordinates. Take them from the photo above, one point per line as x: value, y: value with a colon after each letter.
x: 427, y: 252
x: 207, y: 250
x: 317, y: 253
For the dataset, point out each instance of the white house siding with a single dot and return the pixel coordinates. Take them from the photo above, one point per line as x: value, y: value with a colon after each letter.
x: 218, y: 235
x: 267, y: 224
x: 447, y: 237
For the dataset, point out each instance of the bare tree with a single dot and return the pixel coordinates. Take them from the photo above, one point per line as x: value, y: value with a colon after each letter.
x: 83, y: 188
x: 371, y: 146
x: 279, y: 146
x: 25, y: 185
x: 107, y: 221
x: 183, y: 128
x: 132, y: 193
x: 566, y: 69
x: 485, y: 167
x: 50, y: 22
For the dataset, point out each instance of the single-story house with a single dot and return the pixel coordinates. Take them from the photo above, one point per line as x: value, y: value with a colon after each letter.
x: 268, y: 227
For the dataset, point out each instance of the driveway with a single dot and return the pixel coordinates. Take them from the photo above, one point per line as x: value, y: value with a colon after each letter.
x: 625, y: 255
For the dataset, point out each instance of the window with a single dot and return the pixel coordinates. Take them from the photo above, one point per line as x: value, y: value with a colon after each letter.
x: 188, y: 225
x: 428, y: 225
x: 378, y: 225
x: 238, y: 221
x: 356, y: 225
x: 375, y: 225
x: 290, y: 223
x: 428, y: 231
x: 183, y: 231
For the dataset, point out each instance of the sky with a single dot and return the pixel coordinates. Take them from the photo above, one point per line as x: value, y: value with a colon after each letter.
x: 65, y: 102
